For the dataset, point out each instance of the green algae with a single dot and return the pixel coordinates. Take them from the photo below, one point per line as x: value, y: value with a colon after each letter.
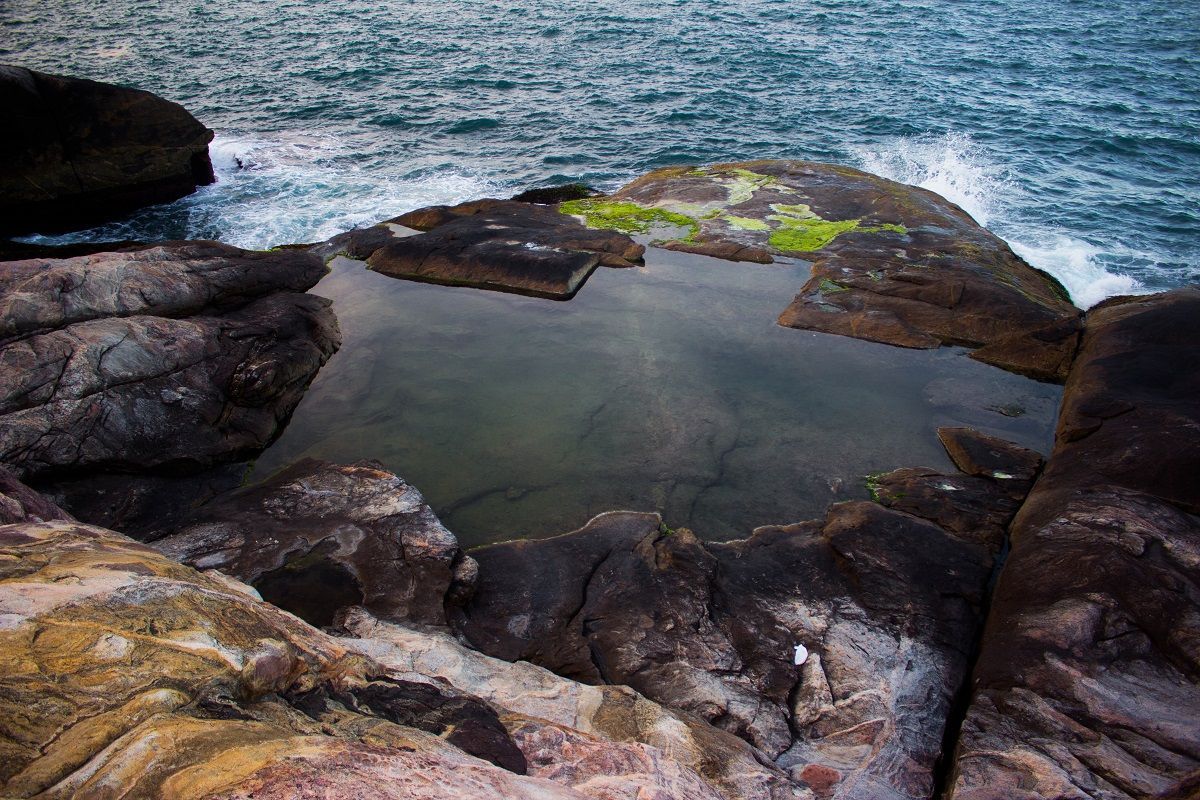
x: 831, y: 287
x: 745, y: 223
x: 807, y: 235
x: 628, y: 217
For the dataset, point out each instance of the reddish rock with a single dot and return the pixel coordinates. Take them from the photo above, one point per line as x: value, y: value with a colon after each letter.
x: 1088, y: 682
x: 19, y: 503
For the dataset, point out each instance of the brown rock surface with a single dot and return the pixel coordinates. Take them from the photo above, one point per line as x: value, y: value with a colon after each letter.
x: 886, y: 604
x: 76, y: 152
x: 317, y: 537
x: 503, y: 245
x: 172, y: 358
x: 19, y: 503
x: 891, y: 263
x: 123, y: 673
x: 1088, y: 683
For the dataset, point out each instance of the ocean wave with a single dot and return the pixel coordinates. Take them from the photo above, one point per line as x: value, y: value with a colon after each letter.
x: 957, y: 168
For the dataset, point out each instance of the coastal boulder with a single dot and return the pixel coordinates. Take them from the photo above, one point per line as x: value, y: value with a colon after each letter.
x: 890, y: 263
x: 161, y: 361
x: 504, y: 245
x: 318, y: 537
x: 76, y: 152
x: 1088, y: 680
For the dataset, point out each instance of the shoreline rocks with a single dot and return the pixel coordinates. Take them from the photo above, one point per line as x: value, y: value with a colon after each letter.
x: 1088, y: 682
x: 76, y: 152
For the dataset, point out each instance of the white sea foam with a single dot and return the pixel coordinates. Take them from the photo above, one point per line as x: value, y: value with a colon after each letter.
x: 303, y: 188
x: 958, y: 169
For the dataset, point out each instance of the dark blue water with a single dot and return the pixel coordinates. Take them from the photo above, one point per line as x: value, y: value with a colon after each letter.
x: 1070, y: 128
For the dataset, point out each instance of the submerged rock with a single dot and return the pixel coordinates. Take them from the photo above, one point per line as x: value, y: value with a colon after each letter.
x: 318, y: 537
x: 169, y: 359
x: 503, y: 245
x: 1088, y: 683
x: 891, y: 263
x: 884, y: 604
x: 76, y: 152
x: 122, y: 671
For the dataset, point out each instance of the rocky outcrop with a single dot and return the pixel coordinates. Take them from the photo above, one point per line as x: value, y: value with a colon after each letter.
x: 890, y: 263
x: 836, y: 646
x: 503, y: 245
x: 19, y: 503
x: 76, y: 152
x: 123, y: 673
x: 318, y: 537
x: 1088, y: 682
x: 170, y: 358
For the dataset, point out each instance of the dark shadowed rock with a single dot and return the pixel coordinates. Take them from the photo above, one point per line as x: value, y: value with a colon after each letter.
x: 489, y: 244
x: 886, y: 604
x: 549, y: 195
x: 985, y: 456
x: 1088, y: 682
x: 19, y: 503
x: 891, y: 263
x: 76, y: 152
x: 318, y: 537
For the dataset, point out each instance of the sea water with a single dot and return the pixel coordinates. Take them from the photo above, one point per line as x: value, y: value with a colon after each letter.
x: 1069, y: 127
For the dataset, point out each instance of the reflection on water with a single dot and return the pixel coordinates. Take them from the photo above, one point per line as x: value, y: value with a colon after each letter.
x: 666, y: 388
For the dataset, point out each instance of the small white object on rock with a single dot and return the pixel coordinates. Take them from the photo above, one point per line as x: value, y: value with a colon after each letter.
x: 801, y: 654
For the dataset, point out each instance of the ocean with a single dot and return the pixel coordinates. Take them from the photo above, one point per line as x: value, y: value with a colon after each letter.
x: 1069, y: 127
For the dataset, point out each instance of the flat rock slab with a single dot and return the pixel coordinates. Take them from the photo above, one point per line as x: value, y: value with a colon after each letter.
x: 318, y: 536
x: 884, y: 605
x: 1088, y: 682
x: 501, y: 245
x: 77, y: 152
x: 891, y: 263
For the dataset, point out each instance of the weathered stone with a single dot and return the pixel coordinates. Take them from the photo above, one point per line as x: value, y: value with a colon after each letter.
x: 891, y: 263
x: 886, y: 604
x: 174, y: 358
x: 318, y: 537
x: 123, y: 673
x: 174, y: 279
x: 19, y: 503
x: 76, y: 152
x: 1088, y: 681
x: 490, y: 244
x: 985, y: 456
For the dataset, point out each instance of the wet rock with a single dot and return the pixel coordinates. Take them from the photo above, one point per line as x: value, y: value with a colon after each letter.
x: 1089, y: 676
x: 174, y: 358
x: 886, y: 605
x: 76, y: 152
x: 489, y: 244
x: 550, y: 195
x: 985, y: 456
x: 121, y: 670
x: 318, y: 536
x: 890, y: 263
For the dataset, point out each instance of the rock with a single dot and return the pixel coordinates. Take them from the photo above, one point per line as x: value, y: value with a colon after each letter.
x: 886, y: 604
x: 19, y: 503
x: 76, y: 152
x: 317, y: 537
x: 489, y: 244
x: 571, y: 716
x: 550, y: 195
x: 125, y: 673
x: 890, y: 263
x: 985, y: 456
x: 173, y: 358
x: 1088, y: 679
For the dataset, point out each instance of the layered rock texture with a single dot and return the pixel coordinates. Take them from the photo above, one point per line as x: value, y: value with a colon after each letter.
x: 76, y: 152
x: 505, y: 245
x: 125, y: 674
x: 166, y: 359
x: 883, y: 605
x: 1088, y: 683
x: 890, y: 263
x: 318, y: 537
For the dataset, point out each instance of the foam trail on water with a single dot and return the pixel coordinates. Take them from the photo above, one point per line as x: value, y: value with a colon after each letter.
x: 959, y: 170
